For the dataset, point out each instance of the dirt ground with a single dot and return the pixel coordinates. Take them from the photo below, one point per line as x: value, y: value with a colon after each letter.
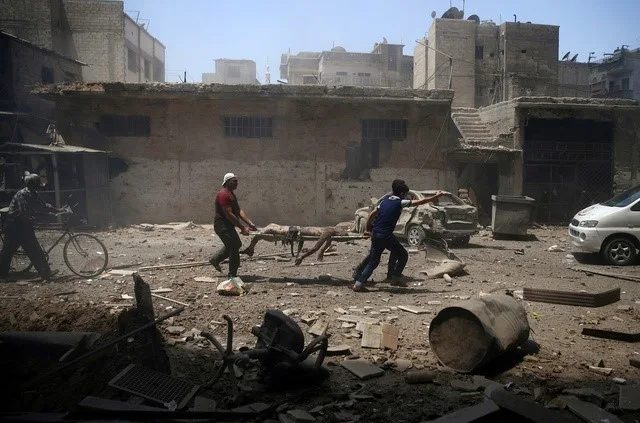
x: 493, y: 266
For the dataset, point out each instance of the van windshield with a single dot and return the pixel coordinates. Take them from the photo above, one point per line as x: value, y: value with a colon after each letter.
x: 624, y: 198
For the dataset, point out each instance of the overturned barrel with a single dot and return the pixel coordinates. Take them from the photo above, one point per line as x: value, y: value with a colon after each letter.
x: 472, y: 333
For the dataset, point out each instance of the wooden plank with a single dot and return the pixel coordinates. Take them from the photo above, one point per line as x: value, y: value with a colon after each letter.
x: 174, y: 266
x: 356, y: 319
x: 321, y: 263
x: 584, y: 299
x: 170, y: 299
x: 414, y: 310
x: 611, y: 334
x: 622, y: 276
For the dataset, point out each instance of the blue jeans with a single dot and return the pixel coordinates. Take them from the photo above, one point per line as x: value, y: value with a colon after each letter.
x: 397, y: 260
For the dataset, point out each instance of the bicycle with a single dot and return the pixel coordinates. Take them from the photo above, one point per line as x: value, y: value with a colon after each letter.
x: 84, y: 254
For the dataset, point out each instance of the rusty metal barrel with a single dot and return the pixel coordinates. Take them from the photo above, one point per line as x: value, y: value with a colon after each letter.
x: 472, y: 333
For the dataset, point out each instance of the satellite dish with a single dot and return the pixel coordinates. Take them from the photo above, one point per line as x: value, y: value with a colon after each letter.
x: 433, y: 14
x: 474, y: 18
x: 452, y: 13
x: 573, y: 59
x: 384, y: 40
x: 566, y: 56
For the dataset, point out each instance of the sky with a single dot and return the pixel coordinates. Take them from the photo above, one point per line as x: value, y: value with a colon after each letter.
x: 195, y: 32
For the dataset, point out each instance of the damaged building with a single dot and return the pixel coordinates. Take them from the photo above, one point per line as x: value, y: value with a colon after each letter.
x: 312, y: 152
x: 319, y: 153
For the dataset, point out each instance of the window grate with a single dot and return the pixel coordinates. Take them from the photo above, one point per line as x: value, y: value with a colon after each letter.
x: 384, y: 129
x: 248, y: 127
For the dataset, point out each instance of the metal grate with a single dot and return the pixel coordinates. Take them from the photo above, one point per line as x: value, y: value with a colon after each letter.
x: 154, y: 386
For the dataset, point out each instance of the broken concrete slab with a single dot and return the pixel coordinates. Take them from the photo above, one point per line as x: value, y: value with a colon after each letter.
x: 390, y: 335
x: 587, y: 394
x: 401, y: 365
x: 528, y: 409
x: 120, y: 272
x: 254, y: 407
x: 463, y: 385
x: 629, y: 399
x: 371, y: 336
x: 205, y: 279
x: 484, y: 412
x: 362, y: 369
x: 414, y: 310
x: 175, y: 330
x: 356, y: 319
x: 634, y: 362
x: 606, y: 371
x: 450, y: 267
x: 589, y: 412
x: 338, y: 350
x: 319, y: 328
x: 300, y: 416
x: 481, y: 383
x: 572, y: 298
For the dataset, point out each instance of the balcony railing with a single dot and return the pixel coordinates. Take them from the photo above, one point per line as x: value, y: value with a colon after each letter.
x: 615, y: 94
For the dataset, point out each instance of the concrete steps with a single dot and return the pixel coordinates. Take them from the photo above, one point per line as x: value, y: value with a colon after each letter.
x: 471, y: 127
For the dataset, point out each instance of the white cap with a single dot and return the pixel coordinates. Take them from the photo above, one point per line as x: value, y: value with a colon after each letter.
x: 227, y: 176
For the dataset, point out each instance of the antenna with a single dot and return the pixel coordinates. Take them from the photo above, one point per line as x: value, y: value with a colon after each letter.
x: 566, y: 56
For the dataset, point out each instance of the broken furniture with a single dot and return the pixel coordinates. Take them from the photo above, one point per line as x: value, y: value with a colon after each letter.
x: 279, y: 349
x: 169, y: 391
x: 582, y: 299
x: 510, y: 215
x: 474, y: 332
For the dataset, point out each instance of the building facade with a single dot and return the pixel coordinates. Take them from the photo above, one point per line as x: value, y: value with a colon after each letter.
x: 485, y: 63
x: 95, y: 32
x: 304, y: 154
x: 385, y: 66
x: 232, y: 72
x: 617, y: 76
x: 24, y: 117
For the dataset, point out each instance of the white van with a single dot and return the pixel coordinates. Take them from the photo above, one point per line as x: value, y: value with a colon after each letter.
x: 611, y: 228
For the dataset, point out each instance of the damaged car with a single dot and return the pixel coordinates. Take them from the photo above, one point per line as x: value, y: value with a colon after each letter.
x: 447, y: 217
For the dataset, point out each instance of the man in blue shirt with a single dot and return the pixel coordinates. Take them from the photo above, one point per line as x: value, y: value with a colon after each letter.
x: 381, y: 223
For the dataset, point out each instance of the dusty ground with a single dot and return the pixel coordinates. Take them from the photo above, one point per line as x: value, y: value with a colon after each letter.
x: 492, y: 266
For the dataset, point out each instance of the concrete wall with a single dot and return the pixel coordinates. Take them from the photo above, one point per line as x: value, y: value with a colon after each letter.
x: 487, y: 69
x: 573, y: 79
x: 26, y: 64
x: 28, y: 19
x: 97, y: 33
x: 531, y: 59
x: 500, y: 118
x: 456, y: 38
x: 295, y: 177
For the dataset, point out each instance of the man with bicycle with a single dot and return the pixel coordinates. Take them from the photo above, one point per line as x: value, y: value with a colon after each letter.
x: 19, y: 231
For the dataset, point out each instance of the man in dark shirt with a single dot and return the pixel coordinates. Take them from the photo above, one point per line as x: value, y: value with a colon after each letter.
x: 383, y: 220
x: 228, y: 216
x: 18, y: 229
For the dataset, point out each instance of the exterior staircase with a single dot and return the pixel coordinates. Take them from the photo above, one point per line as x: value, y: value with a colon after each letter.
x: 473, y: 130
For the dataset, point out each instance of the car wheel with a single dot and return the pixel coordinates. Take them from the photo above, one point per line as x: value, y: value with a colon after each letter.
x: 460, y: 241
x: 619, y: 252
x: 415, y: 235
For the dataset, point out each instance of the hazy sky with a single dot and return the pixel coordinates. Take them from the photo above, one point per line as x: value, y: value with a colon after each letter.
x: 197, y: 31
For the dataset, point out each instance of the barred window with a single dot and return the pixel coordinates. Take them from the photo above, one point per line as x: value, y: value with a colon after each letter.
x: 384, y: 129
x: 248, y: 127
x: 125, y: 126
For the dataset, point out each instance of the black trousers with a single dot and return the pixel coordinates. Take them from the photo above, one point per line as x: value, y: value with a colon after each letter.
x: 231, y: 249
x: 21, y: 234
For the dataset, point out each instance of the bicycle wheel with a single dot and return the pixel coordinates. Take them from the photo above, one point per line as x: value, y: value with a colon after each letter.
x: 85, y: 255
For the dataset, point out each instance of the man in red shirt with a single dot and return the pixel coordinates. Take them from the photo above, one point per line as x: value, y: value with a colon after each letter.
x: 228, y: 216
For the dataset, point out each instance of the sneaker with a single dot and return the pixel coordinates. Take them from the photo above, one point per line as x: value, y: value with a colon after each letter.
x: 215, y: 265
x: 359, y: 288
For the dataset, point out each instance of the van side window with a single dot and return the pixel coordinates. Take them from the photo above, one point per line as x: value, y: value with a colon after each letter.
x: 636, y: 206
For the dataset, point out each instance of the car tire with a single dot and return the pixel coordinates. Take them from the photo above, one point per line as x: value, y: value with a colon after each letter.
x: 415, y: 235
x: 460, y: 241
x: 620, y: 251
